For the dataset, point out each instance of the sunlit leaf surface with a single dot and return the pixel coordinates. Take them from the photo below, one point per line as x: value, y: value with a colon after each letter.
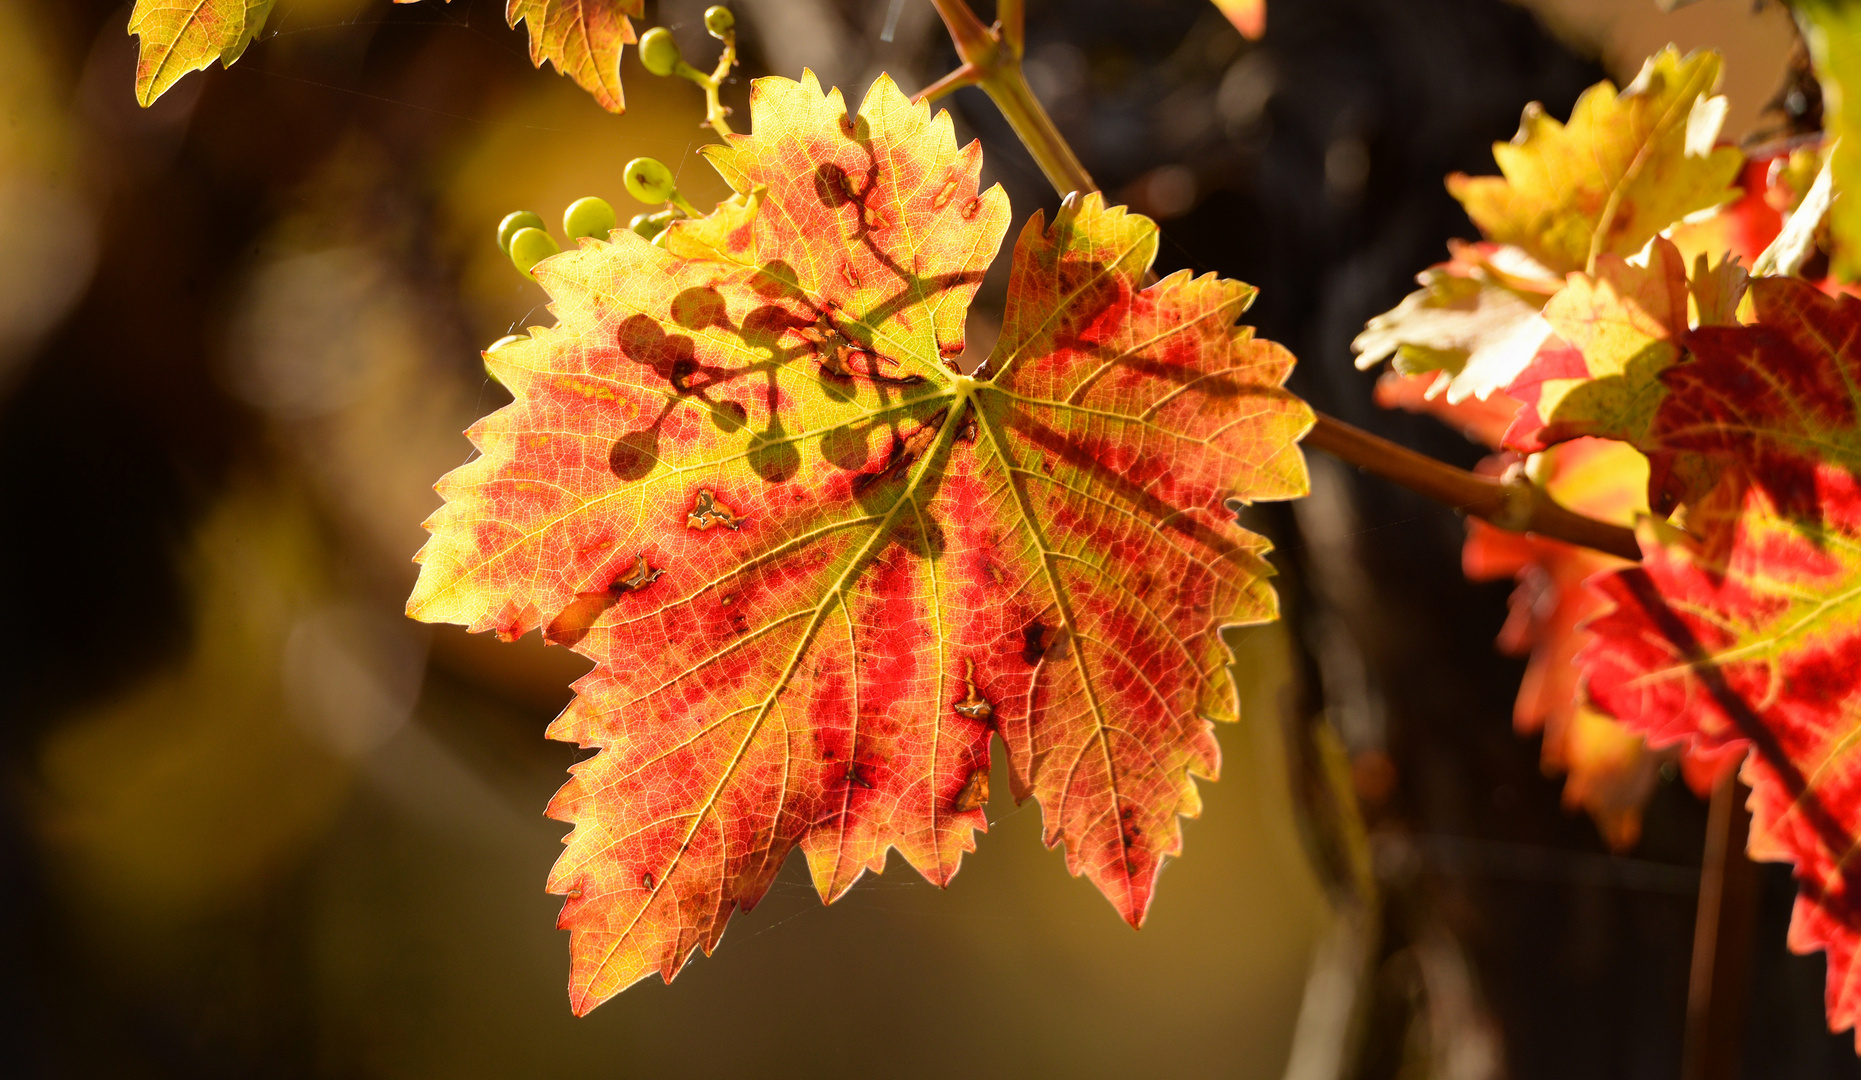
x: 1475, y: 318
x: 1624, y: 168
x: 1616, y: 332
x: 583, y: 38
x: 179, y: 36
x: 1748, y: 631
x: 818, y: 569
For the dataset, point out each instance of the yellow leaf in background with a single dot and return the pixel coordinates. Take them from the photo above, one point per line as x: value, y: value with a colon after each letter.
x: 1626, y: 167
x: 583, y: 38
x: 1832, y: 31
x: 1248, y: 16
x: 179, y: 36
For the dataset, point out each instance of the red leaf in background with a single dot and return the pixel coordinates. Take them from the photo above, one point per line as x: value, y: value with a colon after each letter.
x: 1756, y: 642
x: 1771, y: 401
x: 1748, y: 631
x: 1610, y: 771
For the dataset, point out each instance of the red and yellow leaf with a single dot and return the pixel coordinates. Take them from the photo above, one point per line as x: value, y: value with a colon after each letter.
x: 1571, y: 197
x: 1616, y: 332
x: 583, y: 38
x: 1757, y: 641
x: 1626, y: 167
x: 1610, y: 772
x: 818, y: 569
x: 1748, y: 631
x: 1772, y: 401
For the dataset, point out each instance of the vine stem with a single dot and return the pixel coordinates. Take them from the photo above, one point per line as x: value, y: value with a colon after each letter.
x: 1512, y: 503
x: 714, y: 110
x: 1722, y: 929
x: 991, y: 59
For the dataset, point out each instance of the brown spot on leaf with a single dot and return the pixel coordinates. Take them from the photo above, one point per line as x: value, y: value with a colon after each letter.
x: 646, y: 879
x: 975, y: 792
x: 707, y: 512
x: 905, y: 450
x: 970, y: 208
x: 944, y: 194
x: 641, y: 576
x: 973, y: 705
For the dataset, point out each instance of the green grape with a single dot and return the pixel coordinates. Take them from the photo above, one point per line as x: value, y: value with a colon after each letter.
x: 522, y: 219
x: 650, y: 225
x: 588, y: 217
x: 659, y: 52
x: 531, y: 246
x: 649, y: 181
x: 719, y: 21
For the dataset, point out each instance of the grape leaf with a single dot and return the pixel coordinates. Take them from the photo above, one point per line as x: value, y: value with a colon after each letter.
x: 1476, y: 317
x: 1626, y: 167
x: 1771, y: 402
x: 583, y: 38
x: 1756, y: 641
x: 1616, y: 330
x: 817, y: 568
x: 179, y: 36
x: 1748, y: 630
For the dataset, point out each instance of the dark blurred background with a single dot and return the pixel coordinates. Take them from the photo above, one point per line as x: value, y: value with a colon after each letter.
x: 255, y: 823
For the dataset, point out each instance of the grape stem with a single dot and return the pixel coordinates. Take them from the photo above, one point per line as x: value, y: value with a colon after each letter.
x: 1512, y: 502
x: 714, y: 110
x: 991, y: 58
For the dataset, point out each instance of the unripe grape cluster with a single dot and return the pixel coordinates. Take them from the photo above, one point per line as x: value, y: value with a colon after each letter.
x: 523, y: 236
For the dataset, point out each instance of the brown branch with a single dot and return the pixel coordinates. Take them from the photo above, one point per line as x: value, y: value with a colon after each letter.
x: 1728, y: 901
x: 1514, y: 504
